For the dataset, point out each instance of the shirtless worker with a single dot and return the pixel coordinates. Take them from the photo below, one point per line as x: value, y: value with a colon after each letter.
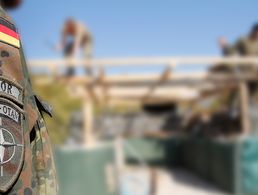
x: 75, y: 38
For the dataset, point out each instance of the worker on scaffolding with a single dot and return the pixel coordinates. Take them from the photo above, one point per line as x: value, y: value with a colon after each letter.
x: 75, y: 39
x: 246, y: 47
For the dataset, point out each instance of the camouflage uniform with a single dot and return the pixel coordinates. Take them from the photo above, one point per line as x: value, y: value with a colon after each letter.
x: 26, y: 160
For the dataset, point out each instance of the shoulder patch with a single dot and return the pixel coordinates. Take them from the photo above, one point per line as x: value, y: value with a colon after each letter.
x: 8, y: 24
x: 11, y: 143
x: 8, y: 33
x: 11, y: 90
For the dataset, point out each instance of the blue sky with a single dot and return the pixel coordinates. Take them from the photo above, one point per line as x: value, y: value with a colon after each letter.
x: 137, y: 27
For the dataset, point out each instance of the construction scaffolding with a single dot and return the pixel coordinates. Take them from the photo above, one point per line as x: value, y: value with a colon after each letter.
x: 102, y: 88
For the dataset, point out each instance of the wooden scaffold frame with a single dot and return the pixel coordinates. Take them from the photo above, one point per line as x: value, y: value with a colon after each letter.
x: 103, y: 88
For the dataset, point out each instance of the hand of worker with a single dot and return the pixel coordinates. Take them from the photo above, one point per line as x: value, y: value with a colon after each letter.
x: 58, y: 47
x: 222, y: 41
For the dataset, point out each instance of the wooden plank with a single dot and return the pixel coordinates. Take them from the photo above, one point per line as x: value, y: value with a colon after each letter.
x: 172, y: 79
x: 104, y: 86
x: 163, y: 77
x: 244, y: 105
x: 145, y: 61
x: 161, y: 94
x: 119, y: 161
x: 88, y: 121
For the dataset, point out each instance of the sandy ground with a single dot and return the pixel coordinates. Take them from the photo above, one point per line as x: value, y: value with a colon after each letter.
x: 180, y: 182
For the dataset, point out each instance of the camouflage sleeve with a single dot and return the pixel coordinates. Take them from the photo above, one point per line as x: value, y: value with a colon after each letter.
x: 37, y: 176
x: 42, y: 160
x: 26, y: 159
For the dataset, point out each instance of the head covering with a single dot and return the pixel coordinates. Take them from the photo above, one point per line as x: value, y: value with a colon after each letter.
x: 10, y: 4
x: 255, y: 27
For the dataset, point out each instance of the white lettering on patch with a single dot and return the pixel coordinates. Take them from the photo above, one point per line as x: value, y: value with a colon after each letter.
x: 9, y: 89
x: 9, y: 112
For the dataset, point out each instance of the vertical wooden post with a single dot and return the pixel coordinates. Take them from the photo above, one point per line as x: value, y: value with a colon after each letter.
x: 244, y: 105
x: 119, y: 161
x: 88, y: 121
x: 119, y: 149
x: 88, y: 108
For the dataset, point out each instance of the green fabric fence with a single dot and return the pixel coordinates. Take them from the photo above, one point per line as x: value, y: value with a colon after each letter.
x: 230, y: 165
x: 248, y: 166
x: 212, y: 160
x: 153, y: 151
x: 82, y: 171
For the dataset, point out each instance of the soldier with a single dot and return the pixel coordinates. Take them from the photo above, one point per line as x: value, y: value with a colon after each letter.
x: 26, y: 163
x: 75, y: 36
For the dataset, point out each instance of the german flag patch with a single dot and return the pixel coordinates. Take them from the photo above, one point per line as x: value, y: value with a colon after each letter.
x: 8, y: 33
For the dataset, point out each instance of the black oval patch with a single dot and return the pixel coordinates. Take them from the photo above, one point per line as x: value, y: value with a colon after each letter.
x: 11, y: 143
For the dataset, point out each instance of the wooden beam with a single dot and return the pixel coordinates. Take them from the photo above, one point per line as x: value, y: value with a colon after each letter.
x: 161, y: 94
x: 88, y: 121
x: 145, y: 61
x: 163, y: 77
x: 244, y: 105
x: 172, y: 79
x: 88, y: 84
x: 120, y: 162
x: 104, y: 86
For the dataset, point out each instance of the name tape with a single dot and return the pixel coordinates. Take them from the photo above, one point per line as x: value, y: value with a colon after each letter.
x: 9, y: 112
x: 10, y: 90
